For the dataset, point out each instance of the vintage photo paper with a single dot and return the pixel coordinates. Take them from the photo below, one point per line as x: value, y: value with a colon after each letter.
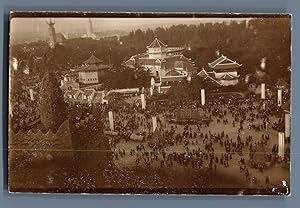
x: 149, y: 103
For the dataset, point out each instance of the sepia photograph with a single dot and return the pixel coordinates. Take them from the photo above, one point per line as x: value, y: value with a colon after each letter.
x: 150, y: 103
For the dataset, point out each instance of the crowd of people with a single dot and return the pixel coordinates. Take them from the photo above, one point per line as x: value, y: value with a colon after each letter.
x: 24, y: 113
x: 229, y: 135
x: 243, y: 141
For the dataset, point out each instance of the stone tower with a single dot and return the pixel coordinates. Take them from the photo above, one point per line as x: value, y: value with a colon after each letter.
x: 89, y: 31
x: 52, y: 34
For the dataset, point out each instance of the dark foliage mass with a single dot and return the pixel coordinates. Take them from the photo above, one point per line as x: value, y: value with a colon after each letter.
x: 245, y: 43
x: 184, y: 91
x: 51, y: 103
x: 89, y: 135
x: 123, y: 77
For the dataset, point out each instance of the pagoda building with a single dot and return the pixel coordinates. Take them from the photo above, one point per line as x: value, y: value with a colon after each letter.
x: 163, y: 61
x: 222, y: 71
x: 91, y: 70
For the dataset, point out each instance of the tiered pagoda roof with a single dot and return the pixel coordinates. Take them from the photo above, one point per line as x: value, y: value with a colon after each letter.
x: 170, y: 61
x: 92, y: 64
x: 223, y: 64
x: 210, y: 75
x: 215, y: 82
x: 93, y: 60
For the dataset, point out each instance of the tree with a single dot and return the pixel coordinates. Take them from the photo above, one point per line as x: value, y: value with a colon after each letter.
x: 16, y: 89
x: 142, y: 78
x: 51, y: 103
x: 244, y: 43
x: 183, y: 91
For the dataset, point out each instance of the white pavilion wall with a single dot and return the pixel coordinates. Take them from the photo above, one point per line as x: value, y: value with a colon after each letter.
x: 220, y: 74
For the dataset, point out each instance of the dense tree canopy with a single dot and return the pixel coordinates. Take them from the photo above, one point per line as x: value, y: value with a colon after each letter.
x: 183, y: 91
x: 51, y: 103
x: 246, y: 43
x: 123, y: 77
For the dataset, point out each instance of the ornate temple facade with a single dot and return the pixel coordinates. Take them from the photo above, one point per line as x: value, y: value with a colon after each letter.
x: 223, y: 71
x: 163, y: 61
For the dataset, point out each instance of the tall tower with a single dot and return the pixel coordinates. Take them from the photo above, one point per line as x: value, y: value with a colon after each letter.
x: 89, y: 31
x: 52, y: 34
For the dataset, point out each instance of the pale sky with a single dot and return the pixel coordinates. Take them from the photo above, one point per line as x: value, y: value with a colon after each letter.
x: 26, y: 26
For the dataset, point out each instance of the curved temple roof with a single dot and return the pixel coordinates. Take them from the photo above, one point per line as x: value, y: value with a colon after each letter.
x: 224, y: 63
x: 93, y: 60
x: 157, y: 44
